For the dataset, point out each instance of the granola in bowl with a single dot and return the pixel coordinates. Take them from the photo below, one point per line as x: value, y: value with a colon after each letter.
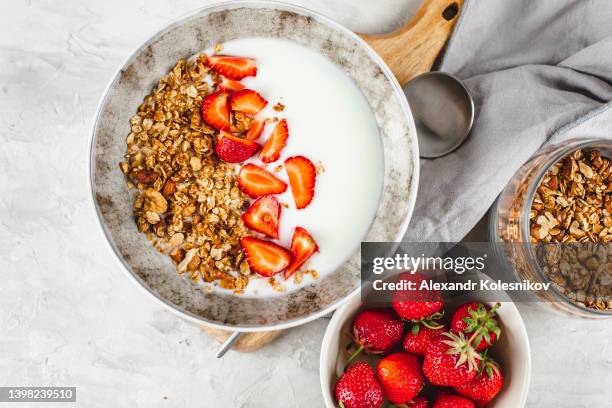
x: 187, y: 201
x: 191, y: 162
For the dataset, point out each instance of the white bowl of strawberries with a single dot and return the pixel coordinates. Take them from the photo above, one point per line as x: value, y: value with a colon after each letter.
x: 429, y: 353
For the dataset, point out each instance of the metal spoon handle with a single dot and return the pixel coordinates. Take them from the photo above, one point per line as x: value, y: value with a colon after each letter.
x: 227, y: 344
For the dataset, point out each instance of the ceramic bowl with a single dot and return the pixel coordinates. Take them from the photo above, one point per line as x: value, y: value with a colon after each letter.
x: 192, y: 34
x: 512, y: 352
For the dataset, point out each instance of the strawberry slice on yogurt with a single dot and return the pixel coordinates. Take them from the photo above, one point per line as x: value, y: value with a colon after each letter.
x: 232, y: 67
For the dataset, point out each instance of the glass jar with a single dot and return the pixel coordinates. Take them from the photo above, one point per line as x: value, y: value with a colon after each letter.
x: 510, y: 226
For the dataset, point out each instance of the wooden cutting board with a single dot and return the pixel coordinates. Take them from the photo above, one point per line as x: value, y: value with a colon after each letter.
x: 409, y: 51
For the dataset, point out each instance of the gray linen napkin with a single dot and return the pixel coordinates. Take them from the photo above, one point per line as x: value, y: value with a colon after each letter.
x: 540, y: 72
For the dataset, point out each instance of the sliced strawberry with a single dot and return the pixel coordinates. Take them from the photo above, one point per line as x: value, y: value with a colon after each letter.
x: 247, y: 101
x: 257, y: 182
x: 230, y: 85
x: 265, y: 257
x: 232, y: 67
x: 302, y: 248
x: 232, y: 149
x: 257, y: 126
x: 215, y: 110
x: 263, y: 215
x: 302, y: 178
x: 275, y: 143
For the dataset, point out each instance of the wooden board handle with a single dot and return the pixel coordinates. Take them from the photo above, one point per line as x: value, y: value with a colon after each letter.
x: 412, y: 49
x: 248, y: 342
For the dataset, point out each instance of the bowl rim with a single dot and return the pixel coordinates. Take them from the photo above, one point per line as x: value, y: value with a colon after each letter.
x: 225, y: 5
x: 338, y: 320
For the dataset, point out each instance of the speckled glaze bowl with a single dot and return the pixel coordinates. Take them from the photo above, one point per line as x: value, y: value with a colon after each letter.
x: 192, y: 34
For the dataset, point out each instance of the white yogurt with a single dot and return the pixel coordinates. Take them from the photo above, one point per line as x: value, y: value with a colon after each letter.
x: 330, y: 122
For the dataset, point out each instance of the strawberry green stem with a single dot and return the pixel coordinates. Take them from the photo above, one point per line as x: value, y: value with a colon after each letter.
x: 471, y: 339
x: 354, y: 355
x: 432, y: 324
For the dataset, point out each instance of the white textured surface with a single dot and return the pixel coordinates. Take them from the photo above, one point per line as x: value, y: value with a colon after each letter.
x: 68, y: 315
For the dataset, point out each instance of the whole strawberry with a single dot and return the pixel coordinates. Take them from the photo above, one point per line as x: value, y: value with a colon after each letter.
x: 478, y: 321
x: 420, y: 335
x: 450, y: 360
x: 418, y: 402
x: 377, y: 331
x: 358, y: 388
x: 448, y: 400
x: 417, y: 303
x: 486, y: 385
x: 400, y: 376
